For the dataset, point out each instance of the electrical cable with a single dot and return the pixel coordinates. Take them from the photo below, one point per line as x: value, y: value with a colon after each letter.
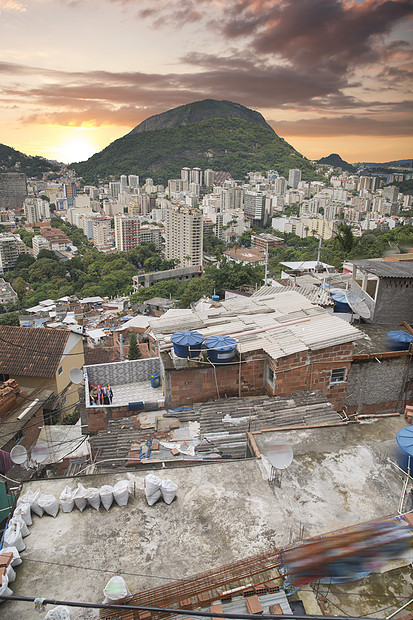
x: 185, y: 612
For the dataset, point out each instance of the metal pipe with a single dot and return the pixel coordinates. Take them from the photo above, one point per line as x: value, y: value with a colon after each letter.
x: 400, y: 609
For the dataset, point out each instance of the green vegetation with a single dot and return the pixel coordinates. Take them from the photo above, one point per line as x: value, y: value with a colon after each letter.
x: 231, y: 144
x: 134, y: 351
x: 405, y: 187
x: 11, y: 318
x: 14, y: 161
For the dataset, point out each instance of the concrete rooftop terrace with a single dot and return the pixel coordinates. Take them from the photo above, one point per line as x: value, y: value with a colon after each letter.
x: 223, y: 512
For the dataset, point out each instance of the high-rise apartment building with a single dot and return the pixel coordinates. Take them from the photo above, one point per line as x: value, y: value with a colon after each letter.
x: 391, y: 192
x: 123, y: 183
x: 39, y: 243
x: 101, y: 233
x: 294, y: 177
x: 127, y: 232
x: 209, y: 177
x: 114, y: 189
x: 13, y: 190
x: 10, y: 248
x: 186, y: 174
x: 69, y: 190
x: 280, y: 186
x: 254, y: 206
x: 196, y: 176
x: 151, y: 234
x: 184, y: 235
x: 133, y: 180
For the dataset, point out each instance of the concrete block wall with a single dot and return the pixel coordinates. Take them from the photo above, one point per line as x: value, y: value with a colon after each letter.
x: 119, y: 373
x: 380, y: 383
x: 311, y: 370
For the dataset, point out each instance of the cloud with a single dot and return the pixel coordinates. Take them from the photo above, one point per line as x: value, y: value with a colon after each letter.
x: 12, y: 5
x: 343, y: 126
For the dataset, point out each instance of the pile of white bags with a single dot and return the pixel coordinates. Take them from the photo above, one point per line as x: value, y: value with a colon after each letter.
x: 32, y: 498
x: 16, y: 555
x: 13, y: 537
x: 4, y: 589
x: 155, y: 488
x: 24, y: 510
x: 80, y: 497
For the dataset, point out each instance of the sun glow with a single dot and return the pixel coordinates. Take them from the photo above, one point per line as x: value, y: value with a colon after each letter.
x: 77, y: 147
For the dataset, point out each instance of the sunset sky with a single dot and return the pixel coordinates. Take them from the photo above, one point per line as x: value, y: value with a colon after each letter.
x: 328, y: 75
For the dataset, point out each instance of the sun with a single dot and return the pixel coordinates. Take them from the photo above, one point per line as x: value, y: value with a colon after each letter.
x: 77, y: 147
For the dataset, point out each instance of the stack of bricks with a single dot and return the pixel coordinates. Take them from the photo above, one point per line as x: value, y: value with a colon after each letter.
x: 408, y: 413
x: 5, y: 560
x: 9, y: 392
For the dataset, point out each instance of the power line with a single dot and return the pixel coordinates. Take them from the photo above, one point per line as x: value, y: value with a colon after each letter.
x: 186, y: 612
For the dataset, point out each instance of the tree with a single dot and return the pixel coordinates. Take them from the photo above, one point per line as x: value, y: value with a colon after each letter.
x: 9, y: 319
x: 344, y: 237
x: 134, y: 351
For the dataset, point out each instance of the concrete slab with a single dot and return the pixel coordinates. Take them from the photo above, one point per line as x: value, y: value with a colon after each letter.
x: 339, y: 474
x: 223, y: 512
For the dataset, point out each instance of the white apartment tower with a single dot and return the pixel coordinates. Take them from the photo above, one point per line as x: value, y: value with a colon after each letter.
x: 133, y: 180
x: 294, y: 177
x: 127, y: 232
x: 186, y: 174
x: 183, y: 235
x: 123, y: 183
x: 39, y: 243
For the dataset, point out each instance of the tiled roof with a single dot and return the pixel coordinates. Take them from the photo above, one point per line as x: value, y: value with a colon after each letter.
x: 384, y: 269
x: 31, y: 352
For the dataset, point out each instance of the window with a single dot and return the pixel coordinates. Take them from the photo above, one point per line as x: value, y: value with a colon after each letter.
x: 338, y: 375
x: 60, y: 370
x: 270, y: 374
x: 4, y: 378
x: 18, y: 436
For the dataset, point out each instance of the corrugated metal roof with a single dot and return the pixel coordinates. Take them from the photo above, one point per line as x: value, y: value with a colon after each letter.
x: 385, y: 269
x: 314, y: 294
x: 318, y: 330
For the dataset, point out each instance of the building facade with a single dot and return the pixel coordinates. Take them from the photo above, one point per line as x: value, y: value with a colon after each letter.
x: 184, y: 235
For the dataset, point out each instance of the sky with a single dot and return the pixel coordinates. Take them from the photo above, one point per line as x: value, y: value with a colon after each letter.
x: 330, y: 76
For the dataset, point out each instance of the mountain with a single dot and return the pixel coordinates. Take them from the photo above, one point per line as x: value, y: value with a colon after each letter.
x: 14, y: 161
x: 335, y: 161
x: 199, y: 111
x: 403, y: 163
x: 207, y: 134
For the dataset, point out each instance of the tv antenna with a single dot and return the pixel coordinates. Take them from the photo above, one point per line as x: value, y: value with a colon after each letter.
x: 20, y: 456
x: 280, y: 456
x: 76, y: 375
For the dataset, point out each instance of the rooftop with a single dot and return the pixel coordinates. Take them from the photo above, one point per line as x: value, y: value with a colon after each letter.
x: 223, y: 512
x: 280, y: 324
x: 18, y: 345
x: 385, y: 269
x: 250, y: 255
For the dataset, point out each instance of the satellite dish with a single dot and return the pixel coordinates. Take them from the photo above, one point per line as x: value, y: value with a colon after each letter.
x: 18, y: 455
x: 76, y: 375
x: 280, y: 455
x: 40, y: 453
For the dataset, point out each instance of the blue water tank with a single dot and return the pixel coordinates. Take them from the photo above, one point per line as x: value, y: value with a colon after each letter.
x: 155, y: 380
x: 220, y: 349
x: 405, y: 442
x: 340, y: 302
x: 215, y: 297
x: 398, y: 340
x: 187, y: 343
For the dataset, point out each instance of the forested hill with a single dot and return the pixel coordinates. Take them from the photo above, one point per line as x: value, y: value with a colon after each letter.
x: 199, y: 111
x: 232, y: 144
x: 336, y: 161
x: 14, y: 161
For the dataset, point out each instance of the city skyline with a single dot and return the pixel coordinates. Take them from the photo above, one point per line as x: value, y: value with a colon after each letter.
x: 328, y: 75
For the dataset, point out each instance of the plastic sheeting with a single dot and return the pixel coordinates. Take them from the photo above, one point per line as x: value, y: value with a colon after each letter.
x: 115, y: 589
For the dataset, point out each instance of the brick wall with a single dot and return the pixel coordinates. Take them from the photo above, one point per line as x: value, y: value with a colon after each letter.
x: 201, y: 384
x: 311, y: 370
x: 31, y: 432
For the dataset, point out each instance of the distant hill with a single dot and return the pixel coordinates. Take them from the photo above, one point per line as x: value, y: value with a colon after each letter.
x: 208, y: 134
x: 199, y: 111
x: 405, y: 163
x: 14, y: 161
x: 335, y: 161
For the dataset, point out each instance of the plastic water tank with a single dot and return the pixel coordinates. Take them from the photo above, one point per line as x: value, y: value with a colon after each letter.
x: 404, y: 439
x: 340, y: 302
x: 215, y: 297
x: 187, y: 343
x: 398, y: 340
x: 220, y: 349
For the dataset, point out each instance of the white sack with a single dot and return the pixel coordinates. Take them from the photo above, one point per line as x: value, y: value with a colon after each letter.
x: 4, y: 589
x: 13, y: 537
x: 18, y: 519
x: 80, y: 497
x: 49, y: 504
x: 61, y: 612
x: 32, y: 498
x: 24, y: 510
x: 168, y: 490
x: 93, y: 497
x: 10, y: 574
x: 16, y: 555
x: 152, y: 488
x: 115, y: 589
x: 121, y: 492
x: 106, y: 495
x: 66, y: 499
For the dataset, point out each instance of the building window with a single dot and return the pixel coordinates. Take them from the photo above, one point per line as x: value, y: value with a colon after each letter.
x: 18, y: 436
x: 4, y: 378
x: 270, y: 375
x: 338, y: 375
x: 60, y: 370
